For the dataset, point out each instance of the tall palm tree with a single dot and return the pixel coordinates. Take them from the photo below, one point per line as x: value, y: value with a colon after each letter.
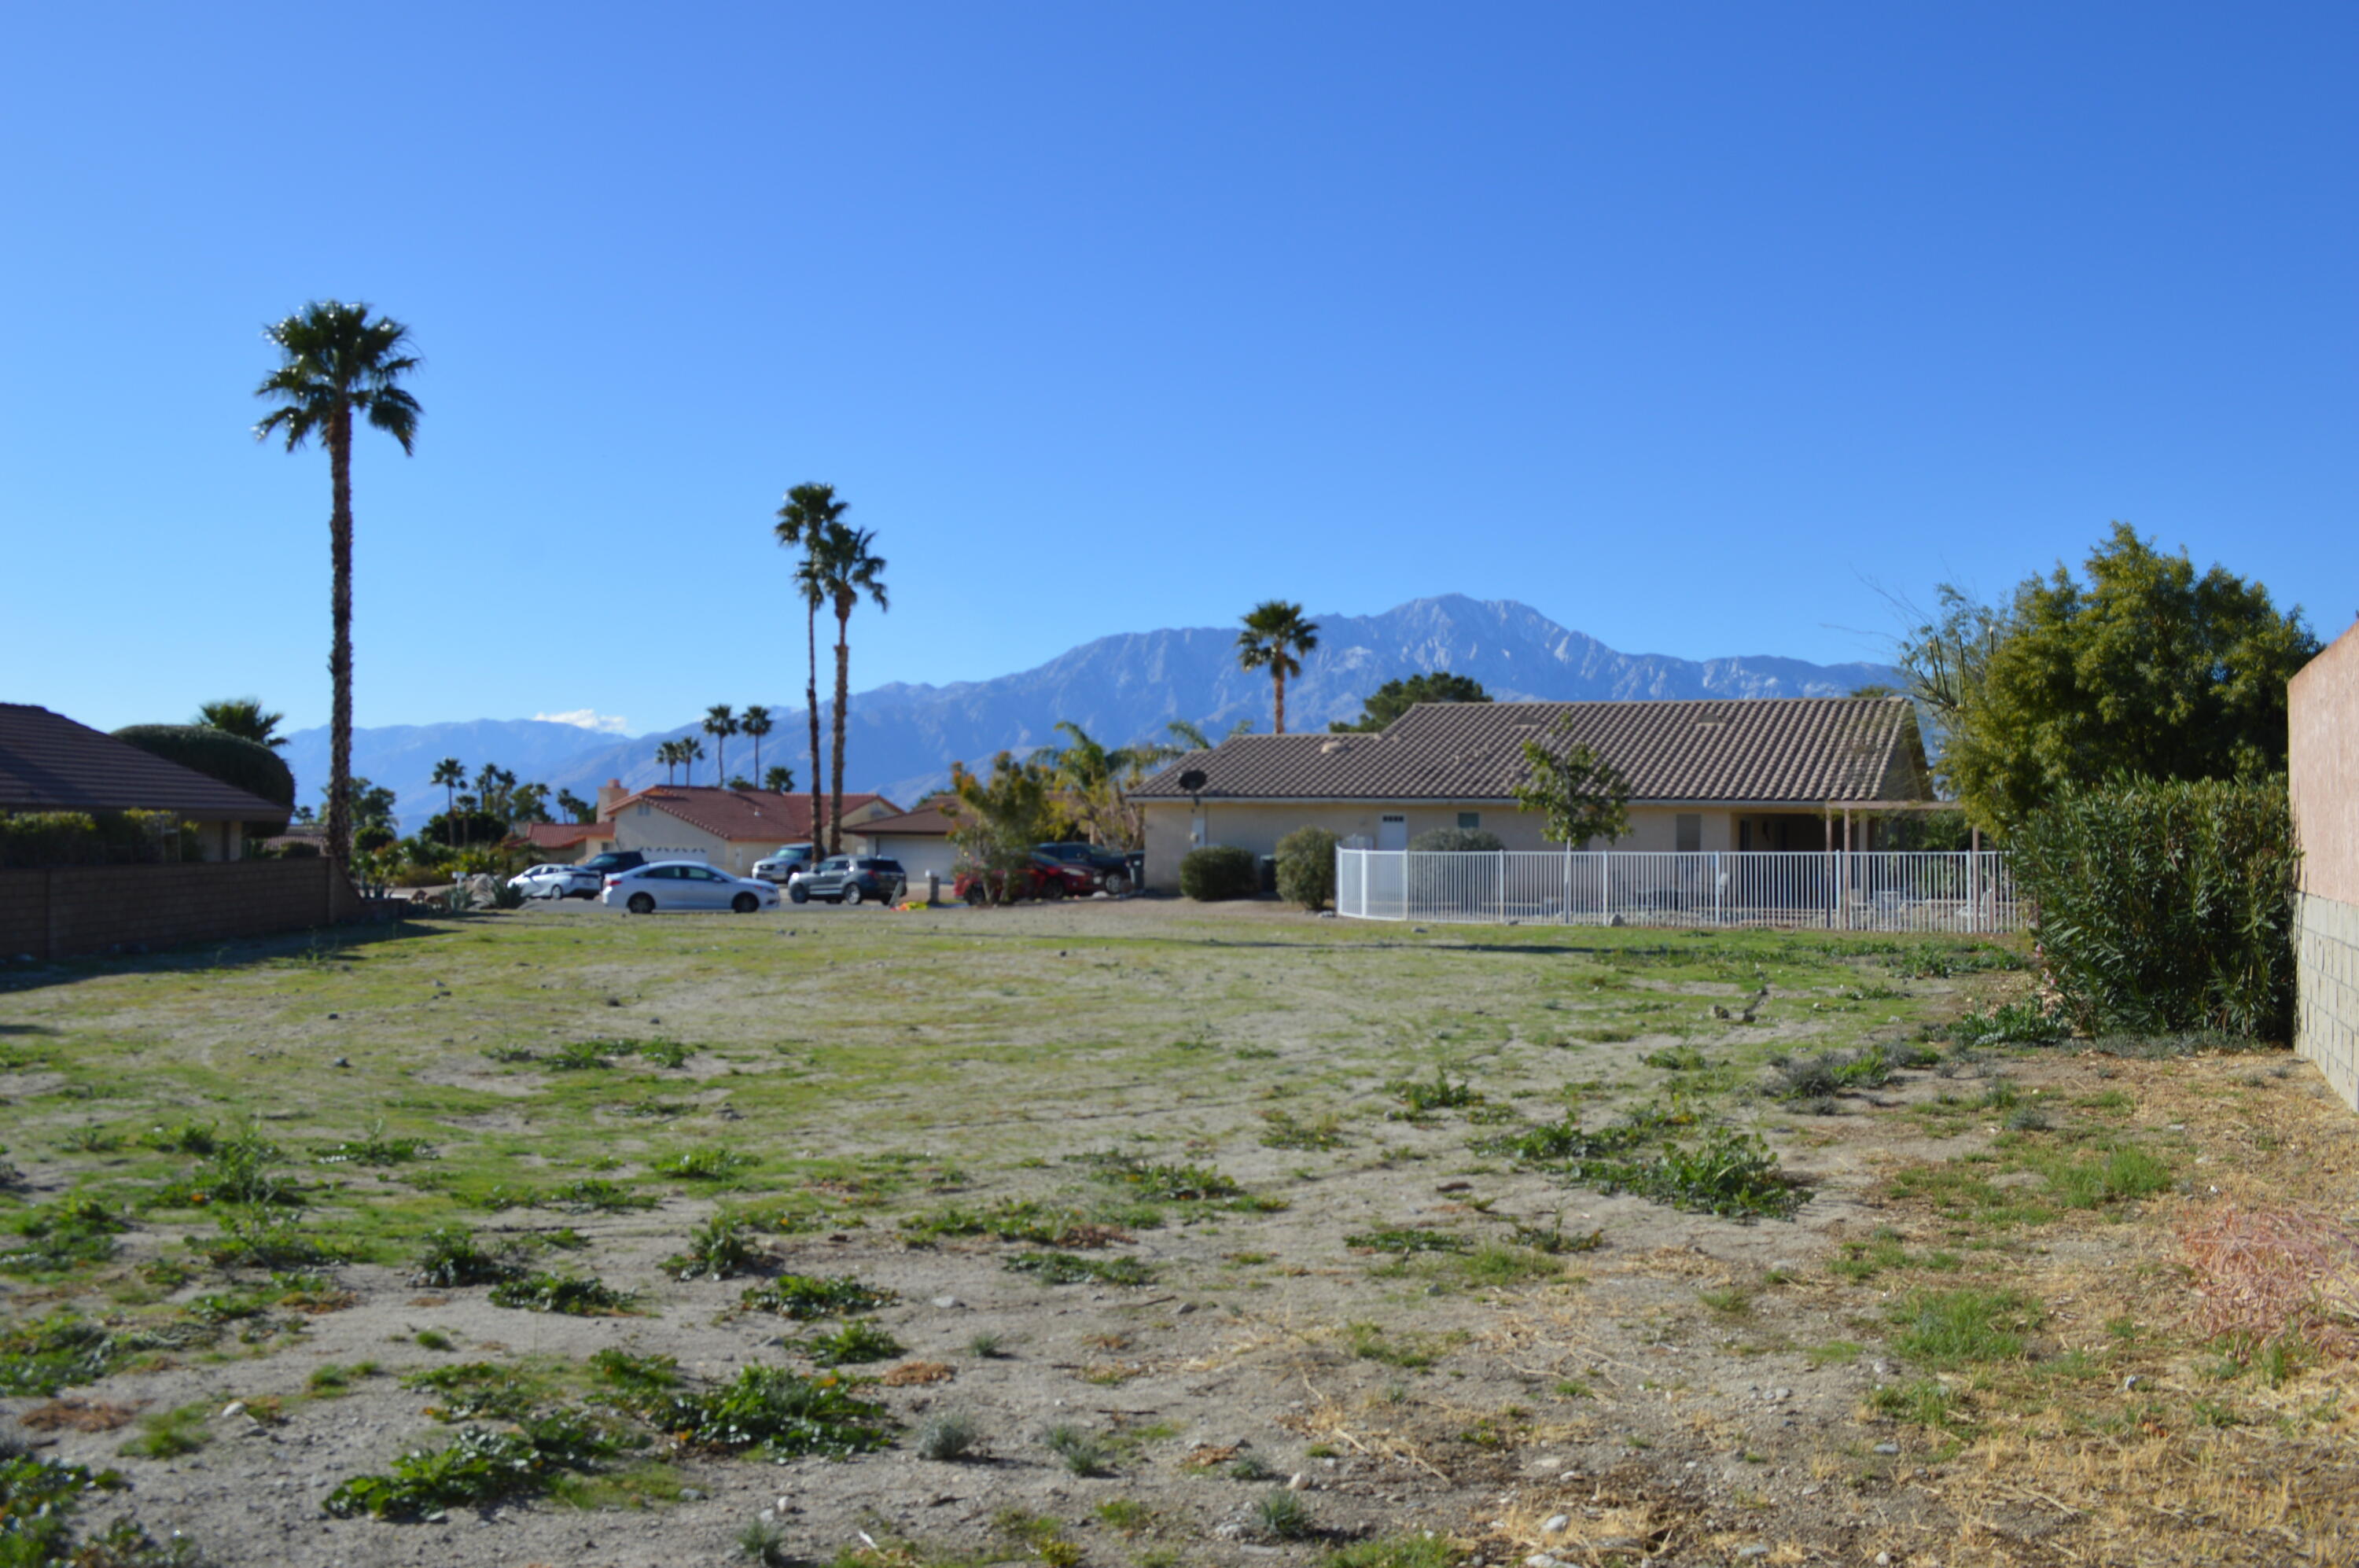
x: 845, y: 568
x: 335, y: 362
x: 757, y: 724
x: 450, y: 774
x: 668, y: 753
x: 720, y: 723
x: 809, y: 511
x: 245, y: 718
x: 1275, y: 632
x: 691, y: 752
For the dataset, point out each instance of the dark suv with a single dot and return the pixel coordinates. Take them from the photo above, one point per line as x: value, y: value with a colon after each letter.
x: 850, y: 879
x: 614, y: 860
x: 1112, y: 866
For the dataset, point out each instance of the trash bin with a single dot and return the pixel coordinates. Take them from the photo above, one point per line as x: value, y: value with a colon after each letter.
x: 1267, y: 865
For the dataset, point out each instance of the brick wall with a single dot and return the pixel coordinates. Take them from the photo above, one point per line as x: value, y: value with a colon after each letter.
x: 85, y: 909
x: 2323, y: 771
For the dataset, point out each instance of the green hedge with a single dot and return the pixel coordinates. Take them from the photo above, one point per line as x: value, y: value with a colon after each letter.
x: 31, y: 841
x: 1306, y: 868
x: 1457, y: 841
x: 240, y: 763
x: 2166, y: 907
x: 1219, y: 871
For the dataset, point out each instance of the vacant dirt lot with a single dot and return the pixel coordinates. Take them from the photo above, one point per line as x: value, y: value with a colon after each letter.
x: 1214, y: 1235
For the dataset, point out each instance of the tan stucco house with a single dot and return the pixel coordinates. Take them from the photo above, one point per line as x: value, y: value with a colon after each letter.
x: 1769, y: 773
x: 729, y: 829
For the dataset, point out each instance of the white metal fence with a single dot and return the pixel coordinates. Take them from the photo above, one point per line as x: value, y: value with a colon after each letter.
x: 1886, y: 891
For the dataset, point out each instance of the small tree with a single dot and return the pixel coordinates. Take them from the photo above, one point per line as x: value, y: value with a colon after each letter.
x: 245, y: 718
x: 996, y: 822
x: 1394, y: 698
x: 779, y: 779
x: 1582, y: 795
x: 1306, y: 868
x: 575, y: 808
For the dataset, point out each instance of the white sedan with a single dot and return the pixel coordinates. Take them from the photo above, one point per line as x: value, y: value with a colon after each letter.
x: 685, y: 884
x: 556, y: 882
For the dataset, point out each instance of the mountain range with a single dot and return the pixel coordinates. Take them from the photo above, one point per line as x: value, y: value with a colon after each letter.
x: 1121, y: 688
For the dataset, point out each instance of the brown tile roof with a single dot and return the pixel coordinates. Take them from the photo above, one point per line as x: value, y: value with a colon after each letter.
x: 1795, y: 750
x: 49, y: 763
x: 563, y: 835
x: 744, y: 816
x: 925, y: 820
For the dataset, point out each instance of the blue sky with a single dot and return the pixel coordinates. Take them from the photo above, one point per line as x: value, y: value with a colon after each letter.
x: 1686, y: 324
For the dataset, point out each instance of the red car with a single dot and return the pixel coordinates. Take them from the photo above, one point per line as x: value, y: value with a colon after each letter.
x: 1043, y: 879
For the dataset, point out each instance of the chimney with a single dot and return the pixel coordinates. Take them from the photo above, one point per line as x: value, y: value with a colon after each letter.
x: 610, y: 794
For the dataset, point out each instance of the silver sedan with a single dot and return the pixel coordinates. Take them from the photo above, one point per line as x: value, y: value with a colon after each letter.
x: 685, y: 884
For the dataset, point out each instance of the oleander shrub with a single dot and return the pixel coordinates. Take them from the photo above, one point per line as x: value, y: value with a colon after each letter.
x: 232, y: 759
x: 1306, y: 868
x: 2167, y: 906
x: 1218, y: 871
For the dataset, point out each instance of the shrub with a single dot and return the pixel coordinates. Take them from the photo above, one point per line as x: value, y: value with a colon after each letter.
x: 1457, y: 841
x: 2167, y: 906
x: 232, y: 759
x: 1306, y: 868
x: 1217, y: 872
x: 949, y: 1437
x: 783, y: 1414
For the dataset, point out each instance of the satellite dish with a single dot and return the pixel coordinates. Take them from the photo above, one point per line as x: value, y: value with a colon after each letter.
x: 1193, y: 780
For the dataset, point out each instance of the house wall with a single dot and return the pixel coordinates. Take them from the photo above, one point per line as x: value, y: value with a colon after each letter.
x: 2322, y: 777
x: 1257, y: 827
x: 659, y: 835
x: 76, y: 910
x: 917, y: 852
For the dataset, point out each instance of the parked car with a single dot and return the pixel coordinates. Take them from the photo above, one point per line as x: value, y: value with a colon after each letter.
x: 1112, y: 866
x: 685, y: 884
x: 850, y: 879
x: 1045, y: 878
x: 557, y: 882
x: 614, y: 860
x: 781, y: 868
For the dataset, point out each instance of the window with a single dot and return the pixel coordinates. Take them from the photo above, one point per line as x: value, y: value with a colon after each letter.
x: 1470, y: 821
x: 1690, y: 832
x: 646, y: 810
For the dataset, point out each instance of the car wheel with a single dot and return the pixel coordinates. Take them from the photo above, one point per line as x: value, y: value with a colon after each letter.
x: 745, y: 903
x: 852, y: 894
x: 798, y: 893
x: 641, y: 904
x: 1054, y: 888
x: 1117, y: 884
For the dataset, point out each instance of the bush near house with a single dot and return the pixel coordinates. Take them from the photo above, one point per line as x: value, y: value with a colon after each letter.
x: 1219, y: 871
x: 33, y: 840
x: 1457, y: 841
x: 2167, y: 906
x: 232, y: 759
x: 1306, y: 868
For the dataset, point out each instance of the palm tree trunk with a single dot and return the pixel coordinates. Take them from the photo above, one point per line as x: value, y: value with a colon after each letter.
x: 842, y: 696
x: 1279, y: 676
x: 811, y: 700
x: 340, y: 651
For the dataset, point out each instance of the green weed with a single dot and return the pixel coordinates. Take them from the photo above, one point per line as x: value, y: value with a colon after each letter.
x: 1965, y: 1327
x: 804, y: 1297
x: 573, y: 1295
x: 1068, y: 1268
x: 717, y: 1249
x: 853, y: 1344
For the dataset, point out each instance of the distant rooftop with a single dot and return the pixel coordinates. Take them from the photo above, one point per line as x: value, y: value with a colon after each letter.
x: 50, y: 763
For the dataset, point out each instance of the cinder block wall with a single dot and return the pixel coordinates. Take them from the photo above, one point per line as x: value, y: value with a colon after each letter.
x: 85, y: 909
x: 2323, y: 773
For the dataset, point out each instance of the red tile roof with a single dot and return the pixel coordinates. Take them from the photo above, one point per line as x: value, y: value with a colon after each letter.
x: 744, y: 816
x: 564, y: 835
x: 49, y: 763
x: 1785, y: 751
